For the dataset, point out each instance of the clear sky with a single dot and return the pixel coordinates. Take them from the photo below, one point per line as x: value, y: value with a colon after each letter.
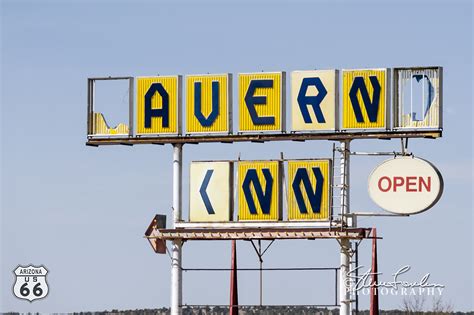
x: 82, y: 211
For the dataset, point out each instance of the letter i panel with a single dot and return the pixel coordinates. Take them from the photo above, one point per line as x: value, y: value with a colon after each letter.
x: 314, y: 100
x: 209, y: 103
x: 158, y: 108
x: 259, y: 191
x: 365, y: 99
x: 309, y: 189
x: 262, y: 102
x: 210, y: 195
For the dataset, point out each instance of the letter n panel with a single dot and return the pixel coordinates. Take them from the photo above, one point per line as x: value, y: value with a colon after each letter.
x: 158, y: 105
x: 365, y: 99
x: 309, y: 190
x: 259, y: 191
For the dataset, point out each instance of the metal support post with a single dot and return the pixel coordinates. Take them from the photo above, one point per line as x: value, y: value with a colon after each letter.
x: 344, y: 286
x: 261, y: 271
x: 176, y: 270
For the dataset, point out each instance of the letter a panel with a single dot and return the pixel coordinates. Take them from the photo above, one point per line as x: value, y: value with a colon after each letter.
x: 259, y: 191
x: 262, y: 102
x: 158, y: 105
x: 309, y: 187
x: 314, y: 100
x: 210, y: 192
x: 208, y: 103
x: 365, y: 99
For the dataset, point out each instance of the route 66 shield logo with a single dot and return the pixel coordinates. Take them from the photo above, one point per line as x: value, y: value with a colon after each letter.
x: 30, y: 282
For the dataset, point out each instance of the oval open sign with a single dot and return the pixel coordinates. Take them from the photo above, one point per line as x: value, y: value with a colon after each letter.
x: 405, y: 185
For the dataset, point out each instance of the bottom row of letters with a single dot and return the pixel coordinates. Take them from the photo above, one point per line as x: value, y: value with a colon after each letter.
x: 259, y: 192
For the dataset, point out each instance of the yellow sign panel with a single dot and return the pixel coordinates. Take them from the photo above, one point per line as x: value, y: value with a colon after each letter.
x: 314, y: 100
x: 210, y: 192
x: 365, y: 99
x: 309, y: 184
x: 259, y: 191
x: 262, y: 101
x: 208, y: 103
x: 158, y: 105
x: 100, y: 126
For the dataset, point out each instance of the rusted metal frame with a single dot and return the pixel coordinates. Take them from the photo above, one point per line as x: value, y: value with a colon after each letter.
x: 259, y: 234
x: 335, y: 136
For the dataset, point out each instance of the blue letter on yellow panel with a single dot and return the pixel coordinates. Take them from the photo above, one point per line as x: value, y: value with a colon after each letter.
x: 365, y: 99
x: 259, y: 191
x: 314, y: 100
x: 158, y: 105
x: 261, y: 102
x: 309, y: 184
x: 208, y: 103
x: 210, y: 192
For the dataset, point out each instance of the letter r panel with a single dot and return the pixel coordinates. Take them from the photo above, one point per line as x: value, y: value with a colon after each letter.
x: 262, y: 102
x: 295, y: 198
x: 171, y: 85
x: 366, y: 99
x: 324, y: 96
x: 259, y: 195
x: 212, y: 86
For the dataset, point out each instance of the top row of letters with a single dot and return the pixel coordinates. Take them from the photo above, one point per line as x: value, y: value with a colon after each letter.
x: 372, y: 99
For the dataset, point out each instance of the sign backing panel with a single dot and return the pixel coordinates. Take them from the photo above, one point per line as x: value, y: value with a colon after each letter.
x: 210, y: 192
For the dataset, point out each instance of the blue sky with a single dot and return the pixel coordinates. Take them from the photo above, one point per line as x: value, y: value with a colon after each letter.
x: 82, y: 211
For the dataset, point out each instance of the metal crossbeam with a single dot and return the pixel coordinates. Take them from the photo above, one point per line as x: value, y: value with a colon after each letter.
x: 255, y: 233
x: 335, y: 136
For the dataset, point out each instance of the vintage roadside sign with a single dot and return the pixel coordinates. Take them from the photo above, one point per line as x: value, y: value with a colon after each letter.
x: 405, y: 185
x: 30, y: 283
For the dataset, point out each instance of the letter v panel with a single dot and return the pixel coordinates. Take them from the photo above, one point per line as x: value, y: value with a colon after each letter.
x: 309, y: 190
x: 210, y: 192
x: 259, y: 191
x: 365, y: 99
x: 208, y: 103
x: 262, y: 102
x: 158, y: 108
x: 314, y: 100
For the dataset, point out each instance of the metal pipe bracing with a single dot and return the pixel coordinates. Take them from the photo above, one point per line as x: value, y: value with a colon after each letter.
x: 264, y: 269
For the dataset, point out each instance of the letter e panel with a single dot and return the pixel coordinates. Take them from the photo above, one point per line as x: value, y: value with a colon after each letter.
x: 314, y: 100
x: 158, y: 105
x: 259, y: 191
x: 210, y: 196
x: 262, y: 102
x: 365, y: 99
x: 309, y: 188
x: 209, y: 103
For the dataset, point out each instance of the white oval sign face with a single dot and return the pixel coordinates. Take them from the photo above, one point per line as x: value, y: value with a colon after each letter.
x: 405, y: 185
